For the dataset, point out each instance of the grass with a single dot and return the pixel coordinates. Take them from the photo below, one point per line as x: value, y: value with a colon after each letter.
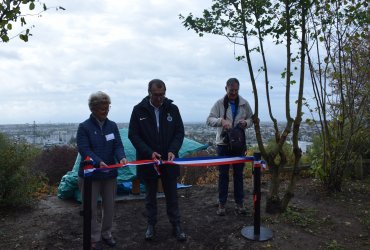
x: 334, y: 245
x: 300, y: 217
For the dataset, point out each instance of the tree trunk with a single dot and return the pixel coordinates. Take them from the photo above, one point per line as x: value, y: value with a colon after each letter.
x: 273, y: 202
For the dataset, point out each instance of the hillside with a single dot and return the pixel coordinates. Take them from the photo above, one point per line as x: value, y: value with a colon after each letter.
x: 315, y: 220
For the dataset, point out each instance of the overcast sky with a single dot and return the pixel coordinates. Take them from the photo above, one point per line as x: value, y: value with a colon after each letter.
x: 118, y: 47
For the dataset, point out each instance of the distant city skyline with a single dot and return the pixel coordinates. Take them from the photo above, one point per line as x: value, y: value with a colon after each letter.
x: 46, y: 135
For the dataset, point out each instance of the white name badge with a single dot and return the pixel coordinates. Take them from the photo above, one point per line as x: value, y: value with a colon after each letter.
x: 109, y: 137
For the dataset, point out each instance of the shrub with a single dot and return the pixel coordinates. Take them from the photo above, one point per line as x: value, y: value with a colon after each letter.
x: 195, y: 175
x: 206, y: 175
x: 55, y: 162
x: 17, y: 181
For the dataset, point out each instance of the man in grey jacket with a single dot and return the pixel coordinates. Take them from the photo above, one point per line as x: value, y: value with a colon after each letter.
x: 230, y: 111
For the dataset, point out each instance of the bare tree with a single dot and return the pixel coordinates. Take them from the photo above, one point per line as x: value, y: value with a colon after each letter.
x: 243, y: 21
x: 338, y: 58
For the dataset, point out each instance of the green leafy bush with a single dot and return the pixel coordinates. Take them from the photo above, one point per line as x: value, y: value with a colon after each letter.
x: 316, y: 154
x: 17, y: 180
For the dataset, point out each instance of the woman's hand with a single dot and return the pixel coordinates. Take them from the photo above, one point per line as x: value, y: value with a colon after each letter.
x: 123, y: 161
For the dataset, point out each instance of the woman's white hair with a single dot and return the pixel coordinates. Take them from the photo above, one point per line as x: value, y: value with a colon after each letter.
x: 98, y: 98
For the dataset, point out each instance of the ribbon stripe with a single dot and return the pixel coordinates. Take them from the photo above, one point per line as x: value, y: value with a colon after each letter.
x: 187, y: 162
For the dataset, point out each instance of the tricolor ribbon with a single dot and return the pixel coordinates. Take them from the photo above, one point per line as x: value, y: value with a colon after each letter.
x: 156, y: 166
x: 188, y: 162
x: 259, y: 164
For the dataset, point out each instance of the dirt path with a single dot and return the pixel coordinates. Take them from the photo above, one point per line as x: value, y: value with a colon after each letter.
x: 315, y: 220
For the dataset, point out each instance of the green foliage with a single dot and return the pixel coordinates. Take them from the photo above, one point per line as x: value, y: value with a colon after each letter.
x: 14, y: 11
x: 334, y: 245
x: 316, y: 155
x: 230, y: 19
x: 300, y: 26
x: 340, y: 33
x: 17, y: 181
x: 287, y: 149
x: 346, y: 148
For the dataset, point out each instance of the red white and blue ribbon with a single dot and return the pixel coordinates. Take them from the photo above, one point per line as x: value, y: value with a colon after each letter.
x: 187, y: 162
x: 211, y: 161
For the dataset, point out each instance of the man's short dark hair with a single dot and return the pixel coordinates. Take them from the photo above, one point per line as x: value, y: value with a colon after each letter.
x: 231, y: 81
x: 158, y: 83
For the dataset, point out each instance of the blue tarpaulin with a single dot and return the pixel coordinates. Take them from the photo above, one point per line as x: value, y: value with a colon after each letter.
x: 68, y: 187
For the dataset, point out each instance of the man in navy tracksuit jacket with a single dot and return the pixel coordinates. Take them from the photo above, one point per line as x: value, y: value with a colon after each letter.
x: 99, y: 139
x: 156, y: 130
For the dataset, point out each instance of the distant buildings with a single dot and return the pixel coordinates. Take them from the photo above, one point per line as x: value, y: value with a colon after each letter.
x: 42, y: 135
x: 206, y: 135
x: 46, y: 135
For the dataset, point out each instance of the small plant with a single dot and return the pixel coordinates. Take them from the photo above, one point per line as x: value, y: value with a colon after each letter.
x: 334, y: 245
x: 365, y: 218
x: 299, y: 217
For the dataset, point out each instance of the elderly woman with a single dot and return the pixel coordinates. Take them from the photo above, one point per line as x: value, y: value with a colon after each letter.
x: 99, y: 139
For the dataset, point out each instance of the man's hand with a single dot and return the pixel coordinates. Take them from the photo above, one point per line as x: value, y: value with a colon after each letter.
x: 103, y: 165
x: 225, y: 124
x: 242, y: 123
x: 171, y: 156
x: 255, y: 119
x: 156, y: 156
